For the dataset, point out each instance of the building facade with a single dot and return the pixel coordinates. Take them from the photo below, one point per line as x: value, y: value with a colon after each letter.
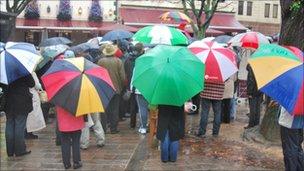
x: 259, y: 15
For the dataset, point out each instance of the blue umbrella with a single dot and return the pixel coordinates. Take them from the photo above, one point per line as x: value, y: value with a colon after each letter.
x: 84, y: 47
x: 50, y: 52
x: 17, y: 60
x: 2, y: 45
x: 116, y: 35
x: 55, y: 41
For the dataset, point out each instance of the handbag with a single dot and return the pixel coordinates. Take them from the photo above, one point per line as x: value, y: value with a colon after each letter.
x: 43, y: 96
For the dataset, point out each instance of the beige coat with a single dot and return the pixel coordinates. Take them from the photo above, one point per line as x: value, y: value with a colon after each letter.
x: 229, y: 87
x: 116, y: 71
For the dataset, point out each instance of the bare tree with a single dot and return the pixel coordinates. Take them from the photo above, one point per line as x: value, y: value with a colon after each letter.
x: 208, y: 7
x: 8, y: 19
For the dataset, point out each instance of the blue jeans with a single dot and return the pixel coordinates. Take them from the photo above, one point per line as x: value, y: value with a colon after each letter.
x: 14, y: 134
x: 169, y: 149
x: 216, y: 106
x: 143, y: 110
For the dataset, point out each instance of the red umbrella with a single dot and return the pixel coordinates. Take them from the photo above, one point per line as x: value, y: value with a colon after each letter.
x: 249, y: 40
x: 296, y: 51
x: 220, y: 61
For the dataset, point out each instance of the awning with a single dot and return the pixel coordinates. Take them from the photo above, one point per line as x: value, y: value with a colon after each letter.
x: 117, y: 26
x: 54, y: 24
x: 140, y: 17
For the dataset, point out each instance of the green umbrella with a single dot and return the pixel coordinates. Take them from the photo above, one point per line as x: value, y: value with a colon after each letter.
x: 160, y: 34
x: 168, y: 75
x: 50, y: 52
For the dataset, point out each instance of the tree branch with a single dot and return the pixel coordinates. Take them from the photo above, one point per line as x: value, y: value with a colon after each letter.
x: 8, y: 8
x: 21, y: 7
x: 210, y: 14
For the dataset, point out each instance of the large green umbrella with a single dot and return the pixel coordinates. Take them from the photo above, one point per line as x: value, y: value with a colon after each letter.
x: 168, y: 75
x: 160, y: 34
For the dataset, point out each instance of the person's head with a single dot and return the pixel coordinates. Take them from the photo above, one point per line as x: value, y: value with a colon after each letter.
x: 139, y: 49
x: 109, y: 50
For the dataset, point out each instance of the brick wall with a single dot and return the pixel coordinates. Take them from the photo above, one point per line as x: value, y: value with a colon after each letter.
x: 265, y: 28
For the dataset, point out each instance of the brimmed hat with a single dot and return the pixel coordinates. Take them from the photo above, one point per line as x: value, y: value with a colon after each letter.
x: 109, y: 50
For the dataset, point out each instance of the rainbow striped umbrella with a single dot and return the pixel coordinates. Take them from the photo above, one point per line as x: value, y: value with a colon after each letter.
x: 176, y: 16
x: 78, y: 85
x: 279, y: 74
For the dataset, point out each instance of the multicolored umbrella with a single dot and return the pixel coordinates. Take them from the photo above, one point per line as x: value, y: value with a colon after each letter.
x: 160, y: 34
x: 17, y: 60
x: 78, y: 85
x: 279, y: 74
x: 175, y: 16
x: 296, y: 51
x: 249, y: 40
x: 220, y: 61
x: 168, y: 75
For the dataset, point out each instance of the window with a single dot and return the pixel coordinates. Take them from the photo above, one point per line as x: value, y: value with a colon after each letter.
x: 275, y: 10
x: 249, y: 8
x: 266, y: 11
x: 241, y: 7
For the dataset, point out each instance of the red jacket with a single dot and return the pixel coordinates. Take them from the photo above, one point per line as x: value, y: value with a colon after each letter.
x: 68, y: 122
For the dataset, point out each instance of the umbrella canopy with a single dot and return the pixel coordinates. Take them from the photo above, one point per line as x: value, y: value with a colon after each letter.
x: 296, y: 51
x: 83, y: 47
x: 168, y: 75
x: 117, y: 34
x: 249, y: 40
x: 279, y: 74
x: 95, y: 40
x: 2, y: 45
x: 17, y: 60
x: 78, y: 86
x: 160, y: 34
x: 222, y: 39
x: 175, y: 16
x: 55, y: 41
x: 220, y: 61
x: 50, y: 52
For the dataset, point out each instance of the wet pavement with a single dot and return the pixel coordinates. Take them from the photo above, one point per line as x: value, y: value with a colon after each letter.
x: 128, y: 150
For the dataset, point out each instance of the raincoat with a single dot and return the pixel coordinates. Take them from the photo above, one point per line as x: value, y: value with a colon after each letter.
x: 68, y: 122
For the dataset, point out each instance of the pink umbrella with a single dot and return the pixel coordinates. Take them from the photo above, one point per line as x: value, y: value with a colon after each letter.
x: 249, y: 40
x: 220, y: 61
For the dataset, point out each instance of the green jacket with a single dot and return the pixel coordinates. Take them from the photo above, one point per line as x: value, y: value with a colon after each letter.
x: 116, y: 71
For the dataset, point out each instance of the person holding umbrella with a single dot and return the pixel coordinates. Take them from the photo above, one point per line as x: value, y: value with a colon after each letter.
x: 168, y: 76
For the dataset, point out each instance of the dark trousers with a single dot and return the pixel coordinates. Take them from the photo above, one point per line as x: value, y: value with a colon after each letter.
x: 68, y: 140
x: 133, y: 110
x: 112, y: 112
x: 45, y: 110
x: 292, y: 148
x: 14, y: 134
x: 226, y: 108
x: 255, y: 110
x: 216, y: 106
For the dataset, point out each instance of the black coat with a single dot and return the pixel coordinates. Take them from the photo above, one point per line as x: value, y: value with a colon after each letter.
x: 170, y: 118
x: 19, y: 98
x: 252, y: 88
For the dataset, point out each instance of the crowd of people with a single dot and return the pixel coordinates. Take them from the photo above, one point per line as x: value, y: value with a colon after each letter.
x: 119, y: 59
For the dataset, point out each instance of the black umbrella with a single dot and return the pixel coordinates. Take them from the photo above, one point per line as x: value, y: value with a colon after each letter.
x: 55, y: 41
x: 222, y: 39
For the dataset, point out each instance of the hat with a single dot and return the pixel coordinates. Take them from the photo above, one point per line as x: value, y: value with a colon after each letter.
x: 109, y: 50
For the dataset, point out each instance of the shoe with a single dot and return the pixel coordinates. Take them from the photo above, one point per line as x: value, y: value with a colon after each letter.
x: 67, y: 166
x: 164, y: 161
x: 201, y: 135
x: 77, y: 165
x: 24, y: 153
x: 172, y: 161
x: 247, y: 127
x: 30, y: 136
x: 114, y: 132
x: 100, y: 145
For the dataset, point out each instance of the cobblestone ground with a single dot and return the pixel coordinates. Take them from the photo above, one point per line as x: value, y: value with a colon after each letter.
x: 129, y: 151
